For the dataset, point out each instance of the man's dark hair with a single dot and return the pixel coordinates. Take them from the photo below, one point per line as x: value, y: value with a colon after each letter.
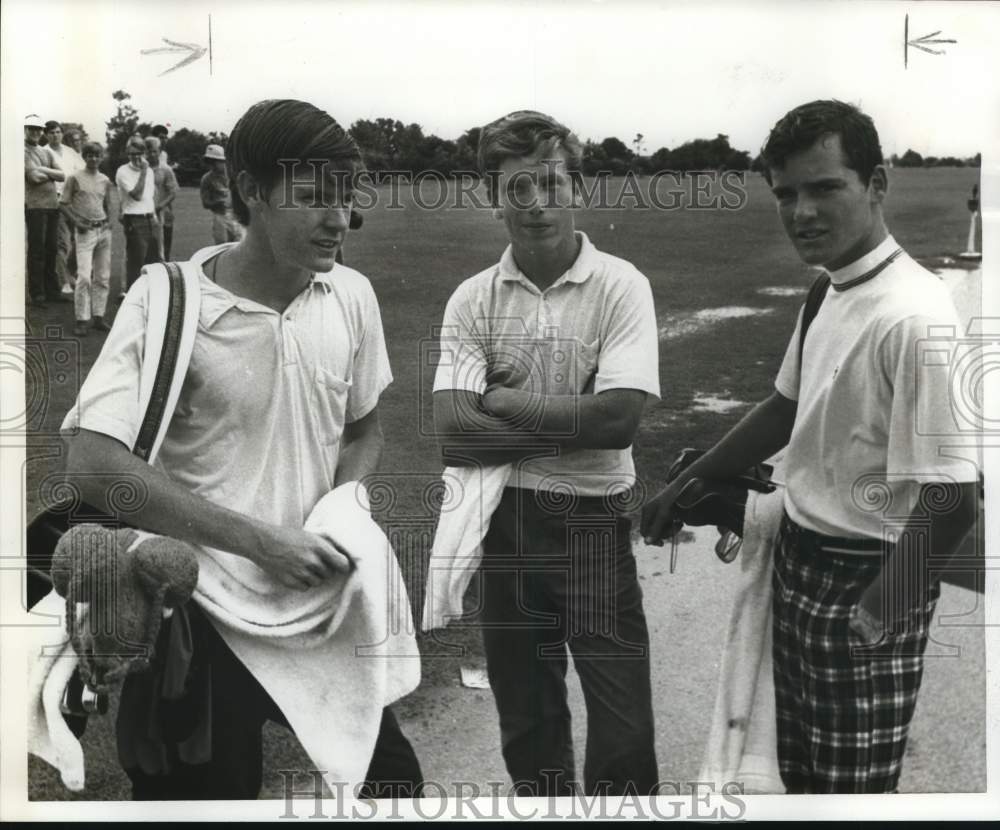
x: 159, y: 131
x: 799, y: 129
x: 51, y: 125
x: 285, y: 130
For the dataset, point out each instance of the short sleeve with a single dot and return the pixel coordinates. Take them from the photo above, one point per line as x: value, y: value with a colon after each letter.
x: 630, y: 348
x: 371, y: 373
x: 787, y: 379
x: 462, y: 359
x: 109, y: 397
x: 919, y: 361
x: 123, y: 185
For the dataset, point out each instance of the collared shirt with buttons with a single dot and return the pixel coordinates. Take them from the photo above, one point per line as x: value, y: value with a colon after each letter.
x: 260, y: 416
x: 593, y: 329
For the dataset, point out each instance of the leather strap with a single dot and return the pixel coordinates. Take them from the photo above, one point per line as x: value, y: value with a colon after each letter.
x: 814, y: 299
x: 174, y: 300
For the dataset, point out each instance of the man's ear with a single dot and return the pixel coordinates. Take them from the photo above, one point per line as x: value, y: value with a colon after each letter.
x: 249, y: 189
x: 879, y: 183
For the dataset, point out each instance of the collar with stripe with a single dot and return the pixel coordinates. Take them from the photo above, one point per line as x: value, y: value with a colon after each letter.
x: 867, y: 267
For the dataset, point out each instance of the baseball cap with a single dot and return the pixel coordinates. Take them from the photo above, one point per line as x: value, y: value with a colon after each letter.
x: 215, y: 152
x: 34, y: 121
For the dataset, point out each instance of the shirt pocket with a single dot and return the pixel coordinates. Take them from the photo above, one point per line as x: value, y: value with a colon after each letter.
x: 331, y: 393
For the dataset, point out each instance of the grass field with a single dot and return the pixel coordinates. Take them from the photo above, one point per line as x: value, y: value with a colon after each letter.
x: 695, y: 261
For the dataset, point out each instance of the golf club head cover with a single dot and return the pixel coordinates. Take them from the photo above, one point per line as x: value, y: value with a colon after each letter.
x: 719, y: 502
x: 126, y: 582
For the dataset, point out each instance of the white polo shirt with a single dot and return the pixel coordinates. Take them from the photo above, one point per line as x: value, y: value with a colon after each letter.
x: 259, y: 420
x: 69, y: 161
x: 593, y: 329
x: 127, y: 178
x: 874, y: 416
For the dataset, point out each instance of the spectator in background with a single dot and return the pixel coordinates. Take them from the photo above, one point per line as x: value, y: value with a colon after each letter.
x: 74, y: 140
x: 41, y: 214
x: 86, y: 206
x: 70, y: 162
x: 160, y: 132
x: 215, y: 197
x: 136, y: 211
x: 164, y: 193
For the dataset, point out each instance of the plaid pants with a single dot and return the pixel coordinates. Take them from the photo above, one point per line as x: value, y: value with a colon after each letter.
x: 843, y: 708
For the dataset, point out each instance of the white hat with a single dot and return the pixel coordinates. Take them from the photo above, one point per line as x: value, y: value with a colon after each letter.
x: 34, y: 121
x: 215, y: 152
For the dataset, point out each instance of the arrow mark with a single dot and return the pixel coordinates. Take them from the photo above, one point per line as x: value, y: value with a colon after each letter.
x: 921, y: 42
x: 195, y: 51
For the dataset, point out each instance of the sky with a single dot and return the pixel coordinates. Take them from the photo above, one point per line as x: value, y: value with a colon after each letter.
x: 672, y: 71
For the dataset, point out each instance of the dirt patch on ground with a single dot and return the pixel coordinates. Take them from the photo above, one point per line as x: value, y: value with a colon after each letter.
x: 674, y: 326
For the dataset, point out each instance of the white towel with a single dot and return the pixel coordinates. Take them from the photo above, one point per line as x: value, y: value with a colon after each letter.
x: 742, y: 742
x: 473, y: 494
x: 52, y: 660
x: 51, y: 664
x: 334, y: 664
x: 331, y: 667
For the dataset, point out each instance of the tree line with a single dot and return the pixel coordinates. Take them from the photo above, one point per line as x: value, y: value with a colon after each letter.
x: 911, y: 158
x: 390, y: 145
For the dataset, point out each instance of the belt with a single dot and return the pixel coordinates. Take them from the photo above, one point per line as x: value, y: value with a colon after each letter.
x: 836, y: 544
x: 137, y: 215
x: 97, y: 223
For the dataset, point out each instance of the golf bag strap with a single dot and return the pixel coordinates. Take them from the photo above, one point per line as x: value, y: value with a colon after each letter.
x: 814, y: 299
x: 174, y: 303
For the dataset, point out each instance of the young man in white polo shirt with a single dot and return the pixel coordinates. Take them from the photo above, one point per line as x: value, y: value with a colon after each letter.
x: 280, y: 405
x: 862, y: 421
x: 137, y: 211
x: 558, y: 353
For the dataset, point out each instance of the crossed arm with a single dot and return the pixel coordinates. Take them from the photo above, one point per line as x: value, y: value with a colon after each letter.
x: 508, y: 425
x: 39, y: 174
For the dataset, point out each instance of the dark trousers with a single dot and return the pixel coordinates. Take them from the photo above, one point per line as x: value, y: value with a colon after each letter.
x: 843, y: 708
x: 239, y: 709
x: 559, y: 576
x: 141, y: 247
x: 43, y: 248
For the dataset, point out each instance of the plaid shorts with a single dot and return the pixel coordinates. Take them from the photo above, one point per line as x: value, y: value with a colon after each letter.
x: 843, y: 708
